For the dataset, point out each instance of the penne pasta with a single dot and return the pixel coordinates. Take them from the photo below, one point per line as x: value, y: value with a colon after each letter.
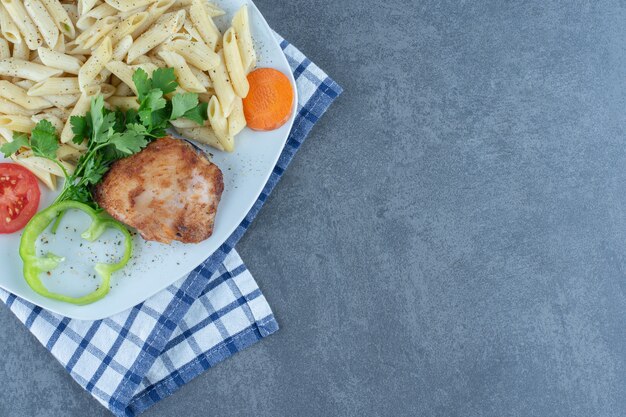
x: 20, y: 97
x: 237, y: 119
x: 72, y: 48
x: 96, y: 63
x: 48, y: 179
x: 123, y: 90
x: 84, y: 6
x: 155, y: 11
x: 219, y: 124
x: 56, y: 121
x: 72, y: 12
x: 24, y: 84
x: 128, y: 5
x: 241, y: 24
x: 5, y: 52
x: 60, y: 45
x: 8, y: 28
x: 89, y: 19
x: 94, y: 35
x: 61, y: 17
x: 40, y: 16
x: 20, y: 17
x: 124, y: 72
x: 67, y: 153
x: 9, y: 107
x: 202, y: 134
x: 183, y: 123
x: 223, y: 88
x: 62, y: 101
x: 123, y: 103
x: 46, y: 164
x: 55, y: 59
x: 55, y: 86
x: 186, y: 79
x: 159, y: 33
x: 14, y: 67
x: 203, y: 77
x: 196, y: 53
x: 16, y: 123
x: 204, y: 24
x: 234, y: 64
x: 127, y: 26
x: 21, y: 51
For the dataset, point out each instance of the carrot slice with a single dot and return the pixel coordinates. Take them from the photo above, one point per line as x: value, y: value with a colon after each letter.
x: 269, y: 101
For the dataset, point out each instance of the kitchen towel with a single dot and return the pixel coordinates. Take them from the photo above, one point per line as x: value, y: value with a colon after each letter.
x: 132, y: 360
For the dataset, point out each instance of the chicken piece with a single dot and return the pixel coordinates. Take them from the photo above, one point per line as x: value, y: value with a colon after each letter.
x: 168, y: 191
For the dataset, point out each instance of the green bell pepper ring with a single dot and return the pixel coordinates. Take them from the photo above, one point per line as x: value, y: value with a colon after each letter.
x: 34, y: 265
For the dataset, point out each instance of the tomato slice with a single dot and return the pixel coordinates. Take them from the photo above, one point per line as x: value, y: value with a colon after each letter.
x: 19, y: 197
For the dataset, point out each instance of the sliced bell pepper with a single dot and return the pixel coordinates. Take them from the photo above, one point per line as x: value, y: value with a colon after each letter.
x: 34, y: 265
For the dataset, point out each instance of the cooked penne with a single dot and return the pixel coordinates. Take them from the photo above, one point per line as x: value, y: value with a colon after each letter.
x: 60, y: 45
x: 95, y: 34
x: 56, y: 122
x: 202, y: 134
x: 55, y: 86
x: 72, y: 11
x: 107, y: 90
x: 185, y: 77
x: 234, y: 64
x: 223, y: 88
x: 84, y: 6
x: 27, y: 28
x: 123, y: 90
x: 40, y: 16
x: 14, y: 67
x: 96, y: 63
x: 5, y: 52
x: 48, y: 179
x: 196, y: 53
x: 183, y: 123
x: 24, y: 84
x: 127, y: 26
x: 21, y: 51
x: 20, y: 96
x: 58, y: 112
x: 127, y: 5
x: 203, y: 77
x: 16, y: 123
x: 8, y: 28
x: 62, y: 100
x: 67, y: 153
x: 119, y: 53
x: 204, y: 24
x: 46, y: 164
x: 89, y: 19
x: 9, y: 107
x: 80, y: 109
x: 124, y: 72
x: 72, y: 48
x: 123, y: 103
x: 237, y: 119
x: 64, y: 62
x: 241, y: 24
x: 159, y: 33
x: 219, y: 124
x: 60, y: 17
x: 155, y: 11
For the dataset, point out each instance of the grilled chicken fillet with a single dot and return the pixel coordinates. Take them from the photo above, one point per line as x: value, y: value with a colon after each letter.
x: 168, y: 191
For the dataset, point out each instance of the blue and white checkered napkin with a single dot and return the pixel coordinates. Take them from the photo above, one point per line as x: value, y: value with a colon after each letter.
x: 134, y: 359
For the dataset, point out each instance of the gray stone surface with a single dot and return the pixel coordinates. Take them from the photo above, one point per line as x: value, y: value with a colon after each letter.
x: 451, y: 239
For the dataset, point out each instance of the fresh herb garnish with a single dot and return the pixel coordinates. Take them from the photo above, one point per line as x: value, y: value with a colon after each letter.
x: 112, y: 135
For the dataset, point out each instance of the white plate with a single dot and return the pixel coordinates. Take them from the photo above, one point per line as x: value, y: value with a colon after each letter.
x: 156, y: 266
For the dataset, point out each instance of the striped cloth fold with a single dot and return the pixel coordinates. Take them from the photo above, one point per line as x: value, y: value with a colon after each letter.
x: 133, y: 359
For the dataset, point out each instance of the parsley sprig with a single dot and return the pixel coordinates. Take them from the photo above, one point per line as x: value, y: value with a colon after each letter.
x: 112, y: 135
